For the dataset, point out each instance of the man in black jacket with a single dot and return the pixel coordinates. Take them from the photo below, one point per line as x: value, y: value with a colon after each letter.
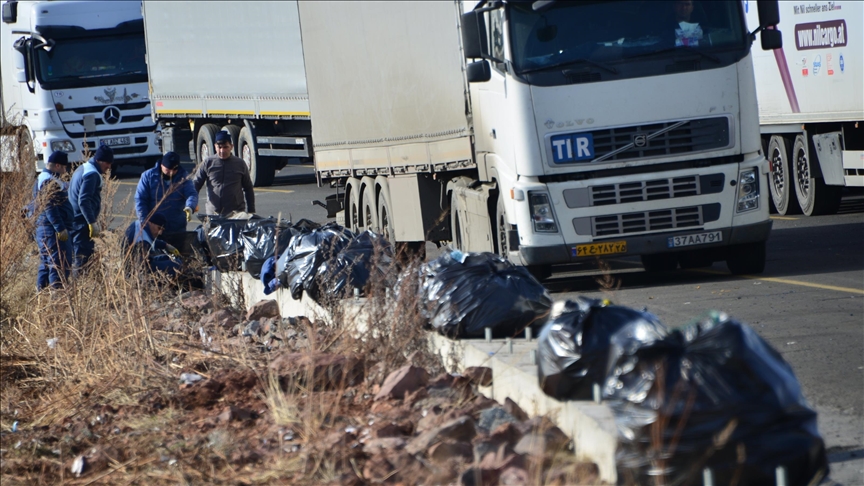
x: 227, y: 179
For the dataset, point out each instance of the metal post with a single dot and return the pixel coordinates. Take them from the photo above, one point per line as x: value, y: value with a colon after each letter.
x: 356, y: 293
x: 595, y: 389
x: 510, y: 345
x: 781, y: 477
x: 534, y: 356
x: 707, y: 477
x: 488, y: 333
x: 528, y: 334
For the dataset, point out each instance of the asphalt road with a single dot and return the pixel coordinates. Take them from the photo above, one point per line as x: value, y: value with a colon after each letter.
x: 809, y: 302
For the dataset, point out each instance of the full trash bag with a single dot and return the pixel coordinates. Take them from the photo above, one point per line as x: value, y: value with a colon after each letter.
x: 461, y: 294
x: 366, y: 256
x: 224, y: 243
x: 298, y: 265
x: 713, y: 394
x: 582, y: 338
x: 263, y: 238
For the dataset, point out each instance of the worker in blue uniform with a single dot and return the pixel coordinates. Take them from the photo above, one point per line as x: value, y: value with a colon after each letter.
x: 85, y: 195
x: 167, y: 190
x: 144, y: 246
x: 53, y: 222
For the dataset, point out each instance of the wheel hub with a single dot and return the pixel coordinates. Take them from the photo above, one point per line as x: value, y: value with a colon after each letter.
x: 803, y: 173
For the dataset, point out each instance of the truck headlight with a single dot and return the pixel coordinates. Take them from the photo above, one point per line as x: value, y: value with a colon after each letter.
x: 541, y: 213
x: 748, y: 190
x: 62, y: 146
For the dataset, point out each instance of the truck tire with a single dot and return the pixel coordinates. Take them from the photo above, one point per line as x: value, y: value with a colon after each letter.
x: 204, y: 146
x: 660, y: 262
x: 261, y: 171
x: 352, y: 205
x: 370, y: 209
x: 234, y: 131
x: 780, y: 182
x: 385, y: 218
x: 814, y: 196
x: 748, y: 258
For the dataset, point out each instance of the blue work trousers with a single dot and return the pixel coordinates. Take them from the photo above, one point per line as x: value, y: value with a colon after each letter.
x: 55, y: 257
x: 82, y: 244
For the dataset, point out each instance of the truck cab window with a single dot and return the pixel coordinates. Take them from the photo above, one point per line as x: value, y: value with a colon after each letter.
x: 626, y: 38
x: 73, y: 61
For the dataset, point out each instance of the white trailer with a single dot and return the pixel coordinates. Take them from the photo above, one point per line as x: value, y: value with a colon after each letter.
x: 232, y: 66
x: 548, y: 132
x: 811, y: 104
x: 74, y: 78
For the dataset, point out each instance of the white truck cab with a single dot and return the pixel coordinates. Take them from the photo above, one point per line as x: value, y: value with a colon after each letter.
x: 74, y: 77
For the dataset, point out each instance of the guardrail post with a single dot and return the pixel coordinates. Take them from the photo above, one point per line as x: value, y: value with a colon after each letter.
x: 781, y: 478
x: 487, y: 331
x: 707, y: 477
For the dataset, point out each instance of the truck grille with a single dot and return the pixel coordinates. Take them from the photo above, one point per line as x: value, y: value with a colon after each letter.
x: 645, y: 190
x: 692, y: 136
x: 661, y: 219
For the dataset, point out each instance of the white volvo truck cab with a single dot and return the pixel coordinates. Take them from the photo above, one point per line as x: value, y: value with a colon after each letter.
x: 74, y: 77
x: 620, y: 128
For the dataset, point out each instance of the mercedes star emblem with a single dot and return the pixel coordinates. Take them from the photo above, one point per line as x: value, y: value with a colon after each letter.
x: 111, y: 115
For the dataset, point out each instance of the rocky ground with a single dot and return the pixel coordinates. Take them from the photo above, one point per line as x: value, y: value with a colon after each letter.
x: 255, y: 398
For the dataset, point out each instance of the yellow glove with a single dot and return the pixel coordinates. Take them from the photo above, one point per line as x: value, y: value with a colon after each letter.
x: 170, y: 249
x: 94, y: 231
x: 63, y: 235
x: 188, y: 212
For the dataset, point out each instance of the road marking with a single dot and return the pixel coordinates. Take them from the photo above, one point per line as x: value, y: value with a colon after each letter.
x: 284, y: 191
x: 785, y: 218
x: 786, y: 281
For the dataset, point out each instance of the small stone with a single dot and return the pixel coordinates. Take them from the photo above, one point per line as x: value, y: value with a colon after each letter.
x: 265, y: 308
x: 402, y: 381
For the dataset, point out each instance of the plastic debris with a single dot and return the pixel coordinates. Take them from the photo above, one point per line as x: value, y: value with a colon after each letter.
x: 297, y: 267
x: 190, y: 378
x: 582, y: 337
x: 365, y: 256
x: 52, y: 343
x: 263, y: 238
x: 78, y: 466
x: 462, y: 294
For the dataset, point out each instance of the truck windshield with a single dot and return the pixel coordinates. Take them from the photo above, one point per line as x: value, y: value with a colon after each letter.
x: 78, y: 62
x: 616, y: 36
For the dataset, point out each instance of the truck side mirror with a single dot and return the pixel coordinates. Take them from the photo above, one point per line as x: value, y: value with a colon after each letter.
x: 10, y: 12
x: 478, y: 72
x: 769, y: 12
x: 771, y: 39
x: 474, y: 43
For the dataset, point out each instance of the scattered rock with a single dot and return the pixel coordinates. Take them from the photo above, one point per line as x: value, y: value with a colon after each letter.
x: 222, y: 319
x: 459, y: 429
x: 478, y: 375
x: 234, y: 413
x: 402, y: 381
x: 196, y: 300
x: 444, y: 380
x: 493, y: 417
x: 514, y: 476
x: 252, y: 329
x: 265, y: 308
x: 515, y: 410
x: 447, y: 450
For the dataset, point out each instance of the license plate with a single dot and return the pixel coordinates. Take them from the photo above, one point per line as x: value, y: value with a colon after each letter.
x: 698, y: 239
x: 112, y: 142
x: 593, y: 249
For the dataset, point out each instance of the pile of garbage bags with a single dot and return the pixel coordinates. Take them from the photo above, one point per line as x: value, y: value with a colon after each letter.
x: 462, y: 294
x: 711, y: 394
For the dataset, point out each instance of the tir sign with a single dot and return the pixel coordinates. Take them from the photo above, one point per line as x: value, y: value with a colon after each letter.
x: 572, y: 147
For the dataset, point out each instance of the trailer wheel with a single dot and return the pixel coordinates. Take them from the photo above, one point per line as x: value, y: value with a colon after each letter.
x: 370, y: 210
x: 385, y: 222
x: 502, y: 243
x: 234, y: 131
x: 814, y: 196
x: 261, y: 171
x: 780, y: 183
x: 204, y: 144
x: 352, y: 208
x: 748, y: 258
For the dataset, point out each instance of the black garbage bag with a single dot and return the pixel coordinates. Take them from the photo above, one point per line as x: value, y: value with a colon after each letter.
x: 712, y: 395
x: 199, y: 246
x: 582, y: 338
x: 461, y: 294
x: 224, y: 243
x: 263, y: 238
x: 298, y: 265
x: 366, y: 256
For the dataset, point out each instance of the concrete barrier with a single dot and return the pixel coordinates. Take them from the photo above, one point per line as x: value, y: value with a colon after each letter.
x: 590, y: 425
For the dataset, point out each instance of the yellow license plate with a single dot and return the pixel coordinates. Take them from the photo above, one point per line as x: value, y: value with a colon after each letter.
x: 595, y: 249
